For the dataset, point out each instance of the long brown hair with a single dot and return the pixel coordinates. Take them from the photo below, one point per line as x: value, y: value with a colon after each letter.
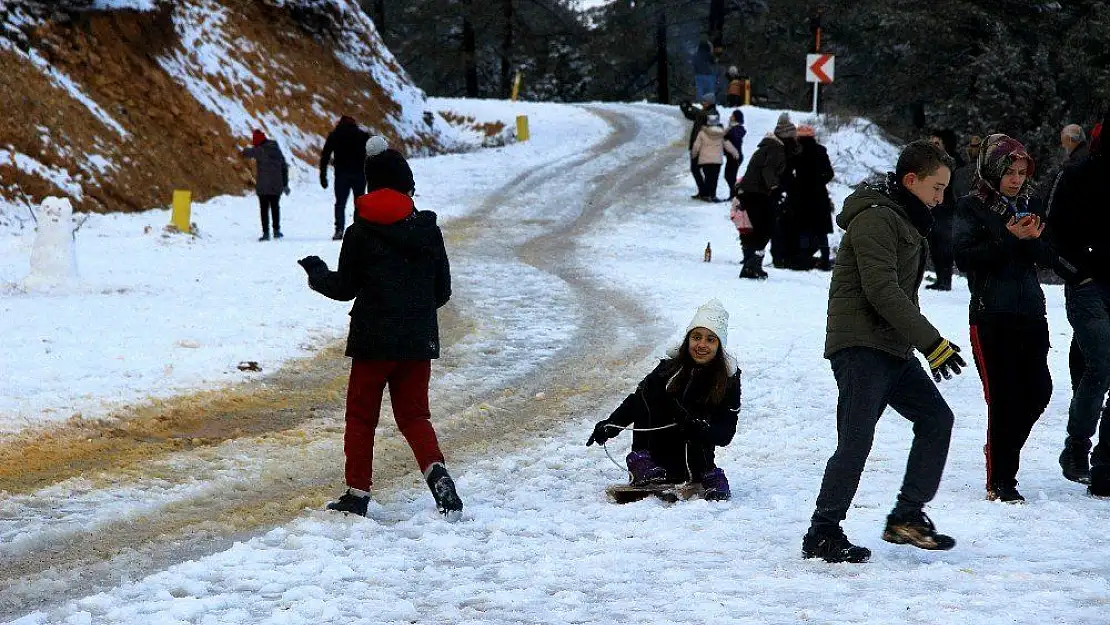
x: 681, y: 367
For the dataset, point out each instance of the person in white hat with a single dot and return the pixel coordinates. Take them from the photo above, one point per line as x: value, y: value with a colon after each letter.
x: 683, y: 410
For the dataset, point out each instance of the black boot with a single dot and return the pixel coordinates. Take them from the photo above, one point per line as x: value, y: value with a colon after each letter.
x: 338, y: 236
x: 914, y: 528
x: 1075, y: 461
x: 443, y: 490
x: 831, y: 545
x: 265, y: 236
x: 1005, y: 494
x: 351, y: 503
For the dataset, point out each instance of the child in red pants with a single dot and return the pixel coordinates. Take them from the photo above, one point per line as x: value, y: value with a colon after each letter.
x: 394, y: 265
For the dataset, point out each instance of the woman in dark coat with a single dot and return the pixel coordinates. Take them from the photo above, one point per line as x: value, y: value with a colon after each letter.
x: 806, y: 180
x: 394, y: 265
x: 997, y: 243
x: 683, y: 410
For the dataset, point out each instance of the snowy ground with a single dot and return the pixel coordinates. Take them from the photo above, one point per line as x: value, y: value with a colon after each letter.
x: 538, y: 543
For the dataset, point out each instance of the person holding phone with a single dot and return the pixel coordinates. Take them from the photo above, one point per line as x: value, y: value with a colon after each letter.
x: 997, y: 243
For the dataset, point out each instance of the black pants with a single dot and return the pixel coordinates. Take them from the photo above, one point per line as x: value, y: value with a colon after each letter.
x: 346, y: 183
x: 761, y: 214
x: 695, y: 171
x: 710, y: 174
x: 732, y: 167
x: 1011, y: 354
x: 267, y: 205
x: 1088, y: 308
x: 869, y: 380
x: 940, y: 249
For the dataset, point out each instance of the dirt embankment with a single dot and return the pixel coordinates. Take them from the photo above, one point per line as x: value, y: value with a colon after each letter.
x: 161, y: 132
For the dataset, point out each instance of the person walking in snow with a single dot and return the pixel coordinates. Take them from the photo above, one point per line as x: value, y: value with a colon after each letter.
x: 805, y: 182
x: 700, y: 116
x: 394, y: 265
x: 760, y: 192
x: 734, y: 149
x: 271, y: 178
x: 683, y: 410
x: 709, y: 151
x: 998, y: 245
x: 347, y: 143
x: 940, y: 239
x: 1079, y: 220
x: 874, y: 325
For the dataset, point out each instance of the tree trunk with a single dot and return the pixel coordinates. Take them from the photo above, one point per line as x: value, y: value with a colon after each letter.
x: 470, y: 52
x: 663, y: 87
x: 507, y: 49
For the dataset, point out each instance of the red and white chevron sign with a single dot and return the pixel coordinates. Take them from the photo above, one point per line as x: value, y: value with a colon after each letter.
x: 819, y: 68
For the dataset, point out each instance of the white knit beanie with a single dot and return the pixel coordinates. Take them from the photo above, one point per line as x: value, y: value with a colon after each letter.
x: 712, y: 316
x: 375, y: 145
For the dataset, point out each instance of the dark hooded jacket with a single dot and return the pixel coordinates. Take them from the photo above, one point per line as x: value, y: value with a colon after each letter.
x: 1079, y: 218
x: 652, y: 406
x: 873, y: 295
x: 806, y: 180
x: 272, y: 172
x: 394, y: 265
x: 347, y: 143
x: 1001, y: 269
x: 766, y: 166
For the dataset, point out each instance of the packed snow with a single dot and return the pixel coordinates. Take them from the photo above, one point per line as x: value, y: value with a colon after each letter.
x: 539, y: 543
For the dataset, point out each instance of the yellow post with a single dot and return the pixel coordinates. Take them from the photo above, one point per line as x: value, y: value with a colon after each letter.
x: 747, y: 92
x: 521, y: 127
x: 516, y: 86
x: 182, y: 201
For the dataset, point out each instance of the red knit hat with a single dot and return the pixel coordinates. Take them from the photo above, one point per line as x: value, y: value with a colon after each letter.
x: 258, y: 138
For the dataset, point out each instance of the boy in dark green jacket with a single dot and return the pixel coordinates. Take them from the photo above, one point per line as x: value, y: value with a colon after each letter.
x: 874, y: 326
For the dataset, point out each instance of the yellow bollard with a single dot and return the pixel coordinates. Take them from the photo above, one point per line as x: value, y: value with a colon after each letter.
x: 516, y: 87
x: 182, y: 201
x: 521, y: 127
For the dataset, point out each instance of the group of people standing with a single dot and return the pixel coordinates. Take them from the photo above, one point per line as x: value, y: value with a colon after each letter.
x: 1001, y: 234
x: 783, y: 196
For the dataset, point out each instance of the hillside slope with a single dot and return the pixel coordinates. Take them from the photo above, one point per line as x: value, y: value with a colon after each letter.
x: 118, y: 104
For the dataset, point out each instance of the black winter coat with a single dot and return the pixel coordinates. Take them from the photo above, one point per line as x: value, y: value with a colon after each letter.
x: 1079, y: 220
x: 394, y: 265
x: 271, y: 170
x: 652, y: 406
x: 348, y: 145
x: 1001, y: 269
x: 805, y: 181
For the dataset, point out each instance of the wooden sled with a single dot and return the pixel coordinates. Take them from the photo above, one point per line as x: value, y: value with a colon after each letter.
x: 670, y: 493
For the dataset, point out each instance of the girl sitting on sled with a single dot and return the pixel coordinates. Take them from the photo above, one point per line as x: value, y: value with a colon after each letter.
x: 683, y: 410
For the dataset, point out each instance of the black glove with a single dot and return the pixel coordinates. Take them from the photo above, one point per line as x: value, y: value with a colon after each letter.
x: 313, y: 264
x: 695, y: 429
x: 287, y: 191
x: 603, y: 431
x: 324, y: 180
x: 944, y: 360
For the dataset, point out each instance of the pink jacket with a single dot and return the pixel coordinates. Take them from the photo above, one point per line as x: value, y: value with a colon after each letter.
x: 709, y: 147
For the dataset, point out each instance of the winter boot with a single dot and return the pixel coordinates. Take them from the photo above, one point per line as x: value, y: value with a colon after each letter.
x: 338, y: 236
x: 939, y: 286
x: 265, y: 236
x: 278, y: 234
x: 1100, y: 481
x: 914, y: 528
x: 1075, y: 461
x: 831, y: 545
x: 716, y: 486
x: 643, y: 470
x: 753, y: 267
x: 1005, y: 494
x: 351, y: 503
x: 443, y: 490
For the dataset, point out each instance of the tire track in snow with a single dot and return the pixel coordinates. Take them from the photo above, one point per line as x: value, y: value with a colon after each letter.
x: 221, y: 497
